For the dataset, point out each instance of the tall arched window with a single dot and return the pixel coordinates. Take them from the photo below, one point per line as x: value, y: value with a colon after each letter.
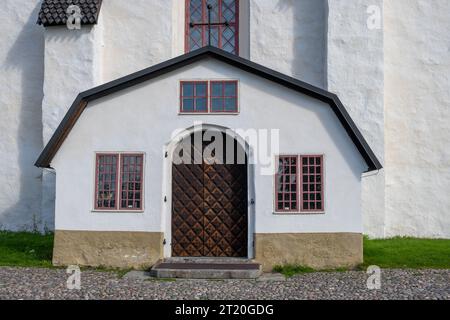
x: 225, y: 20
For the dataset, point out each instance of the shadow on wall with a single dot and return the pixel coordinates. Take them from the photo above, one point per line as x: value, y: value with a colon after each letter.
x: 310, y: 39
x: 26, y: 58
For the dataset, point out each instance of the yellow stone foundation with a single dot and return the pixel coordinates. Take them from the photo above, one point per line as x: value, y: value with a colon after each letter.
x: 315, y: 250
x: 107, y: 249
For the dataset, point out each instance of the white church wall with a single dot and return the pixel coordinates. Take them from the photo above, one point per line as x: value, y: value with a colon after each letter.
x: 144, y: 118
x: 417, y: 69
x: 290, y: 36
x: 355, y: 73
x: 73, y: 63
x: 137, y: 35
x: 22, y: 72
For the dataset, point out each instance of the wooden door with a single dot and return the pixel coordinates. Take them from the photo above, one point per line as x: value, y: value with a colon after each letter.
x: 209, y: 210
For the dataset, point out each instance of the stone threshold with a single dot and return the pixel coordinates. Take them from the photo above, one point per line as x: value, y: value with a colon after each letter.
x: 206, y: 268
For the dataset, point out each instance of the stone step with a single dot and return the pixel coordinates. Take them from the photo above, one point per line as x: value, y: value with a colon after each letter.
x: 193, y: 268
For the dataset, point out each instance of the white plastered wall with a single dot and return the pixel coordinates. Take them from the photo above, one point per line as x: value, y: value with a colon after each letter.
x: 355, y: 72
x: 417, y: 69
x: 21, y: 78
x: 137, y: 35
x: 144, y: 118
x: 72, y: 64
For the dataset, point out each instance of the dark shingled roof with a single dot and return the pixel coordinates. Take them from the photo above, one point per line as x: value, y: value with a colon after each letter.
x: 53, y: 12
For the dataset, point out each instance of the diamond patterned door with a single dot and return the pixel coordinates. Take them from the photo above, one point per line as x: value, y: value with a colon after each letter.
x: 210, y: 205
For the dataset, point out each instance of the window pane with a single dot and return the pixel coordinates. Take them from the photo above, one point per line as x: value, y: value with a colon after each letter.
x: 200, y: 90
x: 106, y: 182
x: 214, y: 10
x: 216, y: 89
x: 196, y: 38
x: 188, y: 105
x: 312, y: 177
x: 131, y: 190
x: 217, y: 105
x: 230, y: 104
x: 201, y: 105
x: 229, y: 10
x: 214, y: 37
x: 230, y: 89
x: 188, y: 90
x: 229, y: 40
x: 286, y: 185
x: 195, y: 9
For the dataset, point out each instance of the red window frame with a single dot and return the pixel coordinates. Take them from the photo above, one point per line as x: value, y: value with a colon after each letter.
x: 194, y: 97
x: 223, y: 97
x: 118, y: 182
x: 234, y: 25
x: 312, y: 168
x: 110, y: 181
x: 309, y: 184
x: 135, y: 177
x: 285, y: 189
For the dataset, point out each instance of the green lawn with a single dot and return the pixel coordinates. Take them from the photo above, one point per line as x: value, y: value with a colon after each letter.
x: 25, y: 249
x: 407, y: 253
x: 35, y: 250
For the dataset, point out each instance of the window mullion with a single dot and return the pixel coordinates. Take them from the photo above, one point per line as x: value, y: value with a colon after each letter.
x: 219, y: 29
x: 300, y: 183
x: 208, y: 96
x: 204, y: 18
x: 119, y: 181
x: 223, y: 96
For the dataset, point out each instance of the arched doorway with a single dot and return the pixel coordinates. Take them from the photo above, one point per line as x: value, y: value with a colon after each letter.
x: 210, y: 200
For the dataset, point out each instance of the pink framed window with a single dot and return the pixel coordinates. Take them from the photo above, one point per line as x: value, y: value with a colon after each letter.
x: 194, y: 96
x: 106, y: 181
x: 224, y: 16
x: 119, y: 182
x: 131, y: 181
x: 312, y: 183
x: 286, y: 184
x: 224, y: 96
x: 299, y: 184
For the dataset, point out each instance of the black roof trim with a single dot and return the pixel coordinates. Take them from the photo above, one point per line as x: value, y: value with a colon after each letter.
x: 150, y: 73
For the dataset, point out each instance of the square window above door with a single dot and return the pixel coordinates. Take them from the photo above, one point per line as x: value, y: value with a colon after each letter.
x: 194, y: 96
x: 224, y: 96
x: 213, y: 97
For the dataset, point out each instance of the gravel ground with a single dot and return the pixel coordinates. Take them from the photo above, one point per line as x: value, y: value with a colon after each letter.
x: 39, y: 284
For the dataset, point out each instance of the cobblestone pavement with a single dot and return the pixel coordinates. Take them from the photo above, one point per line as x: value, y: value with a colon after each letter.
x: 16, y: 283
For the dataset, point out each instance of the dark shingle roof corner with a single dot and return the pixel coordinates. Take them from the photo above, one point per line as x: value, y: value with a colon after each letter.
x: 54, y: 12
